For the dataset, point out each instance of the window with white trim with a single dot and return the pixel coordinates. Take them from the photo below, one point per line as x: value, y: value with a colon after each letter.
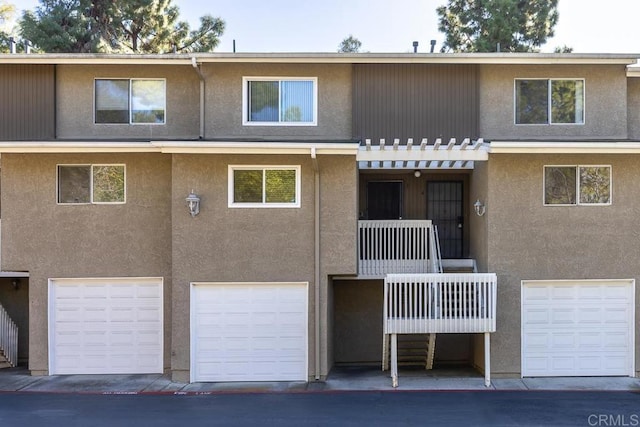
x: 577, y: 185
x: 87, y: 184
x: 549, y: 101
x: 264, y: 186
x: 269, y: 101
x: 130, y: 101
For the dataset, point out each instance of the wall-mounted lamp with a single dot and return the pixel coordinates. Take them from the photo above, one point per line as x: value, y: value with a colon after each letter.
x: 193, y: 203
x: 15, y: 283
x: 417, y: 174
x: 479, y: 207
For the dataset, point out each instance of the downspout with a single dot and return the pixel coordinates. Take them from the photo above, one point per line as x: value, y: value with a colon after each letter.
x: 202, y: 88
x: 316, y: 250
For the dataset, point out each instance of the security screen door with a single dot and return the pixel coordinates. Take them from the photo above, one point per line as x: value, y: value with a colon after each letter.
x: 384, y: 200
x: 444, y: 208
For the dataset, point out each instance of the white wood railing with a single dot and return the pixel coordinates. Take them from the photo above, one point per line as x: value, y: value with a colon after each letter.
x: 8, y: 337
x: 439, y: 303
x: 397, y: 246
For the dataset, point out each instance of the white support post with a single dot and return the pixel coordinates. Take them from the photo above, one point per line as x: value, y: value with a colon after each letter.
x: 394, y: 360
x: 487, y: 360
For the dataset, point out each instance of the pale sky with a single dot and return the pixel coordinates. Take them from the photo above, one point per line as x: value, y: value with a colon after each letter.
x: 589, y: 26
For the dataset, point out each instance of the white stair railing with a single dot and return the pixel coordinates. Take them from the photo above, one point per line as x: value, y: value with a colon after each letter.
x: 396, y: 246
x: 8, y: 337
x: 435, y: 250
x: 439, y: 303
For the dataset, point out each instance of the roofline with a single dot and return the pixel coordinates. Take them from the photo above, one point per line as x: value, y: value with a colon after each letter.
x: 564, y: 147
x: 633, y: 72
x: 176, y: 147
x: 328, y: 58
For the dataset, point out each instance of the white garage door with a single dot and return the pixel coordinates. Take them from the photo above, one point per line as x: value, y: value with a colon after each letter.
x: 105, y: 326
x: 249, y: 331
x: 578, y: 328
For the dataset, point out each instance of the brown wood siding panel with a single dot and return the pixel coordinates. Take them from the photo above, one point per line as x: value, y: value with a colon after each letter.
x: 415, y: 101
x: 27, y: 105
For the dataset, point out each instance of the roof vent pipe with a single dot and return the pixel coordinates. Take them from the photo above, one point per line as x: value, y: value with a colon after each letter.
x: 12, y: 45
x: 433, y: 45
x: 27, y: 46
x: 498, y: 47
x: 415, y: 47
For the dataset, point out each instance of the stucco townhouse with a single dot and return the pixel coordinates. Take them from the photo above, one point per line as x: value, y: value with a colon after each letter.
x: 265, y: 217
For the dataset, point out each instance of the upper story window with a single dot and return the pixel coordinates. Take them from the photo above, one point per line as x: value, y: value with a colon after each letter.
x: 130, y: 101
x: 264, y: 186
x: 577, y: 185
x: 85, y: 184
x: 549, y: 101
x: 290, y: 101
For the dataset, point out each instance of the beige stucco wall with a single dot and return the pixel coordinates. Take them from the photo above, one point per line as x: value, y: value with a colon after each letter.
x: 633, y: 105
x: 479, y: 241
x: 75, y: 102
x: 605, y: 102
x: 224, y: 100
x: 529, y: 241
x: 259, y: 244
x: 53, y: 241
x: 478, y: 190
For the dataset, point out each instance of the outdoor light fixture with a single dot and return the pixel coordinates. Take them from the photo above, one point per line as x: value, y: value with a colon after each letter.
x: 417, y: 174
x: 193, y: 203
x: 479, y: 207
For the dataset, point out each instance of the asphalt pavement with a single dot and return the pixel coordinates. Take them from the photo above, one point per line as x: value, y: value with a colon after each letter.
x: 334, y: 408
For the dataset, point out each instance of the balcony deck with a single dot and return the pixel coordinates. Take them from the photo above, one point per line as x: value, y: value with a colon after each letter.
x: 418, y: 297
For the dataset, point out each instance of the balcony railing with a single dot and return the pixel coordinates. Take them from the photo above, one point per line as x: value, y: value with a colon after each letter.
x: 440, y: 303
x: 397, y: 246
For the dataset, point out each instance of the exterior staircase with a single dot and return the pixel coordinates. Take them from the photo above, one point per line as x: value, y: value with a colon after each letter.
x: 8, y: 340
x: 459, y: 266
x: 413, y: 350
x: 4, y: 363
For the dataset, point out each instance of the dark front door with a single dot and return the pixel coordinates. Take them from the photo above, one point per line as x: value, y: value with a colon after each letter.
x: 444, y: 208
x: 384, y: 200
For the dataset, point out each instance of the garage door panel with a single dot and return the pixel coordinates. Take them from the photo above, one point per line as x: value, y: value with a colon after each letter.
x: 249, y: 332
x: 562, y: 341
x: 537, y: 315
x: 619, y: 315
x: 577, y: 328
x: 616, y: 340
x: 560, y: 316
x: 106, y: 326
x: 559, y: 293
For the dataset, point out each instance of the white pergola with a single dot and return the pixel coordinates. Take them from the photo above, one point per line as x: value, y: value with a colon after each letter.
x: 422, y: 156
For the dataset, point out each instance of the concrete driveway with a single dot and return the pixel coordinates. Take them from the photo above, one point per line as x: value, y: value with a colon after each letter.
x: 340, y: 379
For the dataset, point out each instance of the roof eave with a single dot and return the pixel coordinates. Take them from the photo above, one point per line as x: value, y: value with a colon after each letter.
x: 564, y: 147
x: 338, y: 58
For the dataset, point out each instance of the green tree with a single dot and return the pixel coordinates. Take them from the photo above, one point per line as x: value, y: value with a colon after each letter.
x: 117, y: 26
x: 6, y: 14
x: 483, y: 25
x: 59, y: 26
x: 350, y: 45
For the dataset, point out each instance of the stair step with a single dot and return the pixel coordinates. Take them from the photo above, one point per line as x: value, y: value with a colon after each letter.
x: 5, y: 365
